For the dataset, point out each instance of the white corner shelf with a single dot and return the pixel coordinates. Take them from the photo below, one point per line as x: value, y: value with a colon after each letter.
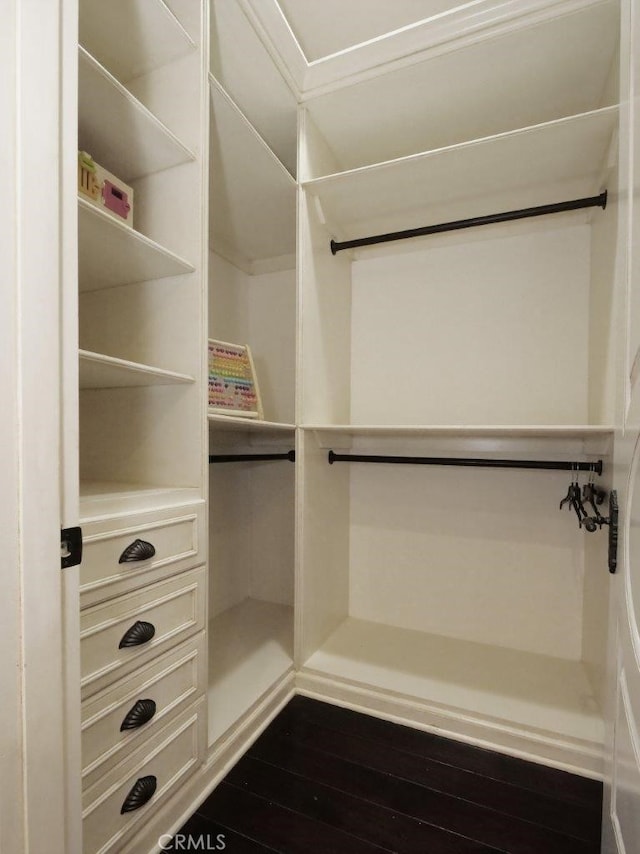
x: 253, y: 208
x: 111, y: 253
x: 132, y: 37
x: 250, y: 649
x: 505, y: 77
x: 218, y: 422
x: 547, y: 163
x: 537, y: 693
x: 107, y: 498
x: 118, y: 131
x: 98, y: 371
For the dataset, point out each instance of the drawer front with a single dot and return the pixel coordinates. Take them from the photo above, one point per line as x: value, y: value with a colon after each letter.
x: 171, y: 611
x: 143, y: 702
x: 139, y: 551
x: 160, y: 767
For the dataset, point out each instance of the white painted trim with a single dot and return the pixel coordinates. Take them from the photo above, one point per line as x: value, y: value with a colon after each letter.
x: 46, y: 752
x: 460, y: 28
x: 273, y: 30
x: 575, y: 756
x: 12, y: 806
x: 632, y: 726
x: 416, y: 42
x: 623, y: 546
x: 617, y: 832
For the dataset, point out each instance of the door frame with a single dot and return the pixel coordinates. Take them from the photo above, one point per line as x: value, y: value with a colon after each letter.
x: 40, y: 780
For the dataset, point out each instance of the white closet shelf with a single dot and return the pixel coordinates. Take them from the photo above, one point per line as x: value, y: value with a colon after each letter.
x: 253, y: 196
x: 104, y: 498
x: 533, y: 692
x: 507, y: 77
x: 252, y: 425
x: 132, y: 37
x: 100, y: 371
x: 543, y: 431
x: 250, y: 649
x: 118, y: 131
x: 565, y: 159
x: 111, y: 253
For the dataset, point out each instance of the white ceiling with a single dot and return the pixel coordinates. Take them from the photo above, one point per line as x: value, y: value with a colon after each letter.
x: 324, y: 27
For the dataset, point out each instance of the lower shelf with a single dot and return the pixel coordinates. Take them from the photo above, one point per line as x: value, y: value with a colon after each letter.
x: 549, y: 697
x: 250, y: 648
x: 106, y: 498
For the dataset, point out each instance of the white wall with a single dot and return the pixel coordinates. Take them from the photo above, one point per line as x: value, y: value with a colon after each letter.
x: 272, y: 510
x: 272, y: 331
x: 252, y: 505
x: 228, y: 286
x: 489, y: 331
x: 229, y: 537
x: 259, y: 311
x: 468, y: 553
x: 251, y: 525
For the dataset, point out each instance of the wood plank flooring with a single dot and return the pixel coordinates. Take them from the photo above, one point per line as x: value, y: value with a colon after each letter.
x: 325, y: 780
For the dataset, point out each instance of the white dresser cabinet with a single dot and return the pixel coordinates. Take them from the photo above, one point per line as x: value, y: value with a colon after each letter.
x: 141, y: 307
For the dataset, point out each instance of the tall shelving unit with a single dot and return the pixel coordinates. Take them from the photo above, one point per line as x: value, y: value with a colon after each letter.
x: 455, y: 600
x: 460, y: 598
x: 142, y: 431
x: 252, y: 300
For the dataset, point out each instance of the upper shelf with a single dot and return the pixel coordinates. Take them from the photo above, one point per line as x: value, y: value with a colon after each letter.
x: 253, y: 196
x: 111, y: 253
x: 132, y: 37
x: 117, y: 130
x: 100, y: 371
x: 524, y: 76
x: 552, y: 162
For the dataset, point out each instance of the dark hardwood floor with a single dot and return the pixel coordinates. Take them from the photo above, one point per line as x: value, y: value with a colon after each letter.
x: 325, y: 780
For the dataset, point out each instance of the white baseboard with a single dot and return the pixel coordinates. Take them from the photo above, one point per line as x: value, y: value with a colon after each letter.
x: 573, y: 755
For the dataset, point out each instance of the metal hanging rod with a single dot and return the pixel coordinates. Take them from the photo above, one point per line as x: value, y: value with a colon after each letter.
x: 549, y: 465
x: 576, y: 204
x: 241, y: 458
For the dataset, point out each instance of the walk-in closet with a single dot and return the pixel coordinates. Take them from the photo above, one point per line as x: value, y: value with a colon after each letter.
x: 348, y: 363
x: 461, y: 596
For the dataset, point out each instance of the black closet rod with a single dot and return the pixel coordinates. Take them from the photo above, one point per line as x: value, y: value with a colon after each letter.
x: 240, y: 458
x: 550, y: 465
x: 591, y: 202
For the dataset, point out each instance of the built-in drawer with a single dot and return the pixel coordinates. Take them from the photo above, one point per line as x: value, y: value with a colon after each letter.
x: 128, y: 552
x: 115, y: 720
x: 142, y: 783
x: 118, y: 636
